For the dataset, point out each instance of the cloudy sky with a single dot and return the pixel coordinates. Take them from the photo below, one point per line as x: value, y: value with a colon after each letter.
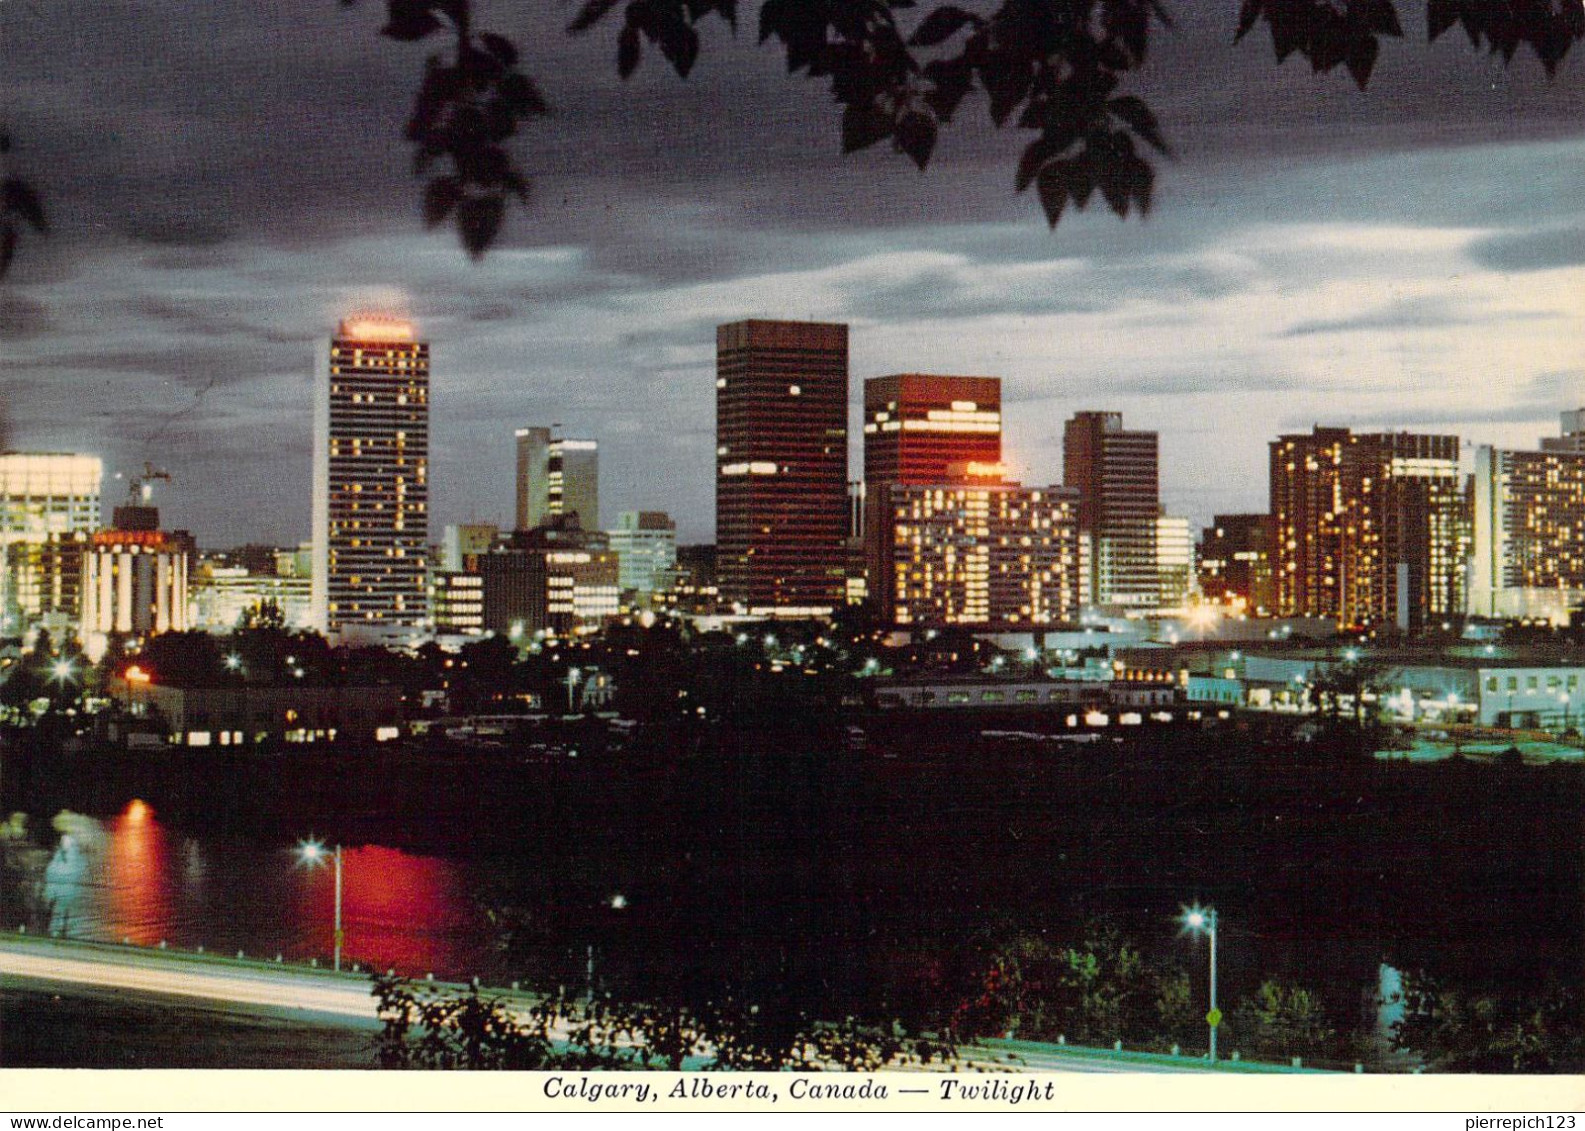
x: 226, y: 179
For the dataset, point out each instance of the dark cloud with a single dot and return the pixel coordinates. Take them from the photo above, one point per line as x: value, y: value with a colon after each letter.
x: 1413, y: 314
x: 1536, y: 249
x: 22, y: 317
x: 227, y: 179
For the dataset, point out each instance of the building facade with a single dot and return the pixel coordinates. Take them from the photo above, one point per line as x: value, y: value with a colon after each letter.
x: 461, y: 543
x: 1371, y: 530
x: 983, y: 553
x: 1307, y: 503
x: 1529, y: 528
x: 556, y: 476
x: 1405, y: 532
x: 223, y: 594
x: 1235, y: 564
x: 1116, y: 474
x: 49, y: 504
x: 135, y: 585
x: 556, y: 578
x: 781, y: 466
x: 371, y: 484
x: 917, y: 427
x: 645, y: 543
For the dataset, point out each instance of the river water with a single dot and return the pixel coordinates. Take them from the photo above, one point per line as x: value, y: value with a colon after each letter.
x: 131, y: 879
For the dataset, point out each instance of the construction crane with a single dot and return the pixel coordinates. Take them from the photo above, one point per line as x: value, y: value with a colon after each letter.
x: 141, y: 489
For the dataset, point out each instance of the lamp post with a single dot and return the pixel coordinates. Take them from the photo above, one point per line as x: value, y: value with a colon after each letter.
x: 1203, y: 919
x: 312, y: 853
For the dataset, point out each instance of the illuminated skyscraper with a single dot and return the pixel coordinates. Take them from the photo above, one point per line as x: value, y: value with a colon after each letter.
x: 781, y: 465
x: 1405, y: 530
x: 371, y: 483
x: 917, y: 428
x: 1116, y: 474
x: 1371, y: 530
x: 1529, y: 528
x: 1307, y: 522
x: 556, y: 476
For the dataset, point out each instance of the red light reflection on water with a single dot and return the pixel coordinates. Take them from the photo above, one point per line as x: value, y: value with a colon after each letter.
x: 137, y: 869
x: 398, y: 910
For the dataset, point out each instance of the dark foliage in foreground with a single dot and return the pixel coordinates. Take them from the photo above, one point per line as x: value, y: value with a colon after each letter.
x: 428, y: 1028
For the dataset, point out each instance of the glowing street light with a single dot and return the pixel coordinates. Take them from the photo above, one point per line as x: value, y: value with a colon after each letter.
x: 313, y: 854
x: 63, y: 671
x: 573, y: 675
x: 233, y: 662
x: 1200, y: 920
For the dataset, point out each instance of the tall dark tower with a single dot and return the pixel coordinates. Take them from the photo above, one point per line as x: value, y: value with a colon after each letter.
x: 781, y: 465
x: 1116, y: 473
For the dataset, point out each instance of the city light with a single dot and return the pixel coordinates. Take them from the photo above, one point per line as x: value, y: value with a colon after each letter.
x: 1202, y: 920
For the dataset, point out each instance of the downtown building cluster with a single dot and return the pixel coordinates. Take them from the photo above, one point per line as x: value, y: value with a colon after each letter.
x: 1374, y: 532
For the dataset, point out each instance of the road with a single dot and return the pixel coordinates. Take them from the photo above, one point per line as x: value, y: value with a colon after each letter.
x: 328, y: 996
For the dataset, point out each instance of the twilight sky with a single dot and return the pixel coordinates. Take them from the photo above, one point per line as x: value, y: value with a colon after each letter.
x: 226, y: 179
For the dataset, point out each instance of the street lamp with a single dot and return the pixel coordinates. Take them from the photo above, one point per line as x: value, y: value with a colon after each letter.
x: 1203, y: 919
x: 572, y: 682
x: 312, y: 853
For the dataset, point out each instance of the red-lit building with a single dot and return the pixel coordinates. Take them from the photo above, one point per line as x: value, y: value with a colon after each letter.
x: 781, y: 465
x: 917, y: 426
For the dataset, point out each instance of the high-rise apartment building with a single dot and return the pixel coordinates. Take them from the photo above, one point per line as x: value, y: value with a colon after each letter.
x: 1307, y: 502
x: 556, y: 476
x: 781, y: 465
x: 916, y: 427
x: 1371, y: 530
x: 371, y: 483
x: 1116, y: 473
x: 1405, y: 531
x: 1529, y: 528
x: 49, y: 504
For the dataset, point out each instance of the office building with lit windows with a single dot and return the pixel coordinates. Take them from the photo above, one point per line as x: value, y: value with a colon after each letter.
x: 977, y: 550
x: 781, y: 466
x: 49, y: 504
x: 917, y: 426
x: 1529, y: 528
x: 1116, y: 473
x: 556, y: 476
x: 371, y: 484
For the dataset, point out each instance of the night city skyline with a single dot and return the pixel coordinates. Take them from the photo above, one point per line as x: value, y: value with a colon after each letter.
x: 511, y: 558
x: 1403, y: 258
